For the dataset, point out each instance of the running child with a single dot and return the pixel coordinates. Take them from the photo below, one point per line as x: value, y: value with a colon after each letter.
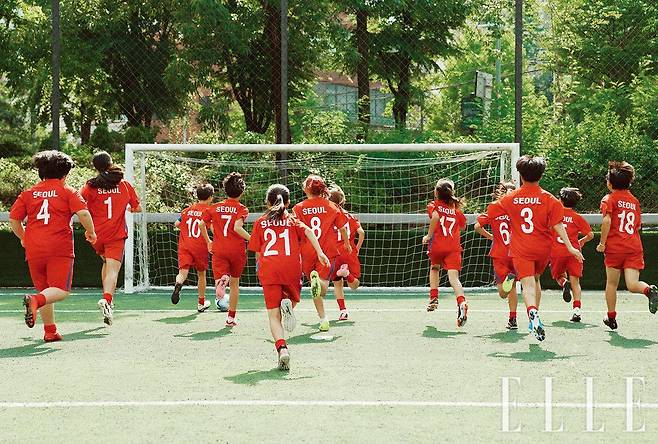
x: 276, y: 239
x: 566, y: 269
x: 534, y: 215
x: 192, y: 247
x: 108, y: 196
x: 348, y: 266
x: 229, y: 244
x: 322, y: 216
x: 444, y: 245
x: 47, y: 237
x: 621, y: 242
x: 500, y: 252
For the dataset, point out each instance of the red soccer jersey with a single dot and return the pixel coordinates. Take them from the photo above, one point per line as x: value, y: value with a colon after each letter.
x: 279, y: 244
x: 533, y: 213
x: 574, y: 224
x: 223, y: 216
x: 447, y: 235
x: 626, y: 216
x: 49, y: 207
x: 190, y: 233
x: 352, y: 227
x: 321, y: 215
x: 500, y: 229
x: 108, y: 209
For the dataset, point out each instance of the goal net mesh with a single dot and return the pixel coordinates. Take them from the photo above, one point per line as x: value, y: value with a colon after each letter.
x: 388, y: 195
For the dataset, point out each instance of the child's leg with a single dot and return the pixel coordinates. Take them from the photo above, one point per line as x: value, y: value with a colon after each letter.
x: 47, y: 314
x: 455, y: 283
x: 112, y: 268
x: 201, y: 284
x: 633, y: 282
x: 353, y: 282
x: 53, y: 294
x: 181, y: 277
x: 340, y: 294
x: 529, y: 292
x: 512, y: 302
x: 576, y: 290
x: 611, y: 284
x: 537, y: 290
x: 276, y: 327
x: 235, y: 295
x: 434, y: 281
x: 319, y: 302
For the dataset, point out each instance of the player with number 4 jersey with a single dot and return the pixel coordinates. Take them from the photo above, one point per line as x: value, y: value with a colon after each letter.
x: 108, y: 196
x: 192, y: 247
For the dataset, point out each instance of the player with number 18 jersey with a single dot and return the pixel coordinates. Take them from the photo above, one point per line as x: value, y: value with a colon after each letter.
x: 624, y: 245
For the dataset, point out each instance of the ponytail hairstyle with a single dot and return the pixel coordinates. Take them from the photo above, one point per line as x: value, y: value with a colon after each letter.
x: 502, y: 189
x: 445, y: 192
x: 337, y: 196
x: 278, y: 196
x: 316, y: 186
x: 109, y: 175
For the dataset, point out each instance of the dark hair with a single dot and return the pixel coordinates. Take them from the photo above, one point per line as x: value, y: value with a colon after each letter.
x: 570, y: 196
x: 445, y: 192
x: 620, y: 175
x: 109, y: 175
x: 234, y: 185
x: 316, y: 186
x: 337, y: 196
x: 502, y: 189
x: 531, y: 168
x: 277, y: 196
x: 52, y: 164
x: 205, y: 191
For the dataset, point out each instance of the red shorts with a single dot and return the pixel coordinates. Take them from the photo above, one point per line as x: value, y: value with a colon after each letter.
x: 502, y: 266
x: 529, y: 267
x: 274, y: 294
x: 353, y: 264
x: 312, y: 263
x: 566, y: 264
x: 623, y: 261
x: 110, y: 249
x: 188, y: 259
x: 447, y: 260
x: 227, y: 263
x: 49, y: 272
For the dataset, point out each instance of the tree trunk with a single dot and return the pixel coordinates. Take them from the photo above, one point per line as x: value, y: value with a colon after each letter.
x: 363, y: 71
x: 403, y: 94
x: 85, y: 130
x: 273, y: 27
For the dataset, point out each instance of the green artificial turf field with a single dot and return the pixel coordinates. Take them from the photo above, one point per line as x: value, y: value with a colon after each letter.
x: 393, y: 373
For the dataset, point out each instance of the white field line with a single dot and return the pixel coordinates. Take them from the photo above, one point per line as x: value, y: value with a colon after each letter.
x: 364, y: 310
x: 310, y: 403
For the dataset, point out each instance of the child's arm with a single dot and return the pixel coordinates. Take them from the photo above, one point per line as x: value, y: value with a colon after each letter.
x: 346, y: 239
x: 18, y: 229
x: 482, y: 231
x: 85, y: 219
x: 362, y: 237
x: 238, y: 227
x: 562, y: 232
x: 588, y: 237
x: 204, y: 234
x: 324, y: 260
x: 605, y: 230
x: 430, y: 231
x: 177, y: 223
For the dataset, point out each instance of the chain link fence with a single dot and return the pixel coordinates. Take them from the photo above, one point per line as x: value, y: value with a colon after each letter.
x: 357, y: 70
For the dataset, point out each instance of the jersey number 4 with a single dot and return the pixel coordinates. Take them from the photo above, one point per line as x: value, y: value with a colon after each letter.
x: 43, y: 213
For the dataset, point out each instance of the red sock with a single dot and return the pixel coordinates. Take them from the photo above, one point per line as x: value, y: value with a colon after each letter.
x: 50, y: 328
x: 646, y: 291
x: 350, y: 278
x: 41, y: 300
x: 341, y: 304
x: 231, y: 313
x: 532, y: 307
x: 460, y: 299
x: 561, y: 281
x: 576, y: 304
x: 279, y: 344
x: 202, y: 300
x: 612, y: 314
x: 107, y: 297
x: 434, y: 293
x: 512, y: 315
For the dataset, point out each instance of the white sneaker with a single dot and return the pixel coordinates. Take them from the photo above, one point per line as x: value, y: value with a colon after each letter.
x: 288, y: 315
x: 343, y: 316
x: 106, y: 311
x: 284, y: 359
x: 231, y: 322
x: 203, y: 307
x: 576, y: 315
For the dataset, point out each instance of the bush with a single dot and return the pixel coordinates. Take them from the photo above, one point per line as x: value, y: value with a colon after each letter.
x: 104, y: 139
x: 13, y: 180
x: 12, y: 145
x: 139, y: 134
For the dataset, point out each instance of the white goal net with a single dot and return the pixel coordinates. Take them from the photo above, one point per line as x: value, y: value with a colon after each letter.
x: 387, y: 187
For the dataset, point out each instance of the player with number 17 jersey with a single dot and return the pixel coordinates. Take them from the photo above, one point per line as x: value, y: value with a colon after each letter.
x: 445, y: 247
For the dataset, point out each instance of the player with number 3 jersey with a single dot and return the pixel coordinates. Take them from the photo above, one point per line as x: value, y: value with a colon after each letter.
x: 108, y: 196
x: 192, y: 247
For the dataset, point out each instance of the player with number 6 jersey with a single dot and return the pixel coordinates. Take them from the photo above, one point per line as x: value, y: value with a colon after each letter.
x: 503, y: 264
x: 621, y: 242
x: 277, y: 240
x: 192, y: 247
x: 47, y: 209
x: 323, y: 217
x: 229, y: 244
x: 108, y: 196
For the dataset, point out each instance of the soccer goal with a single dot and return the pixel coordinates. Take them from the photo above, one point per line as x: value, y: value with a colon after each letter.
x: 387, y: 186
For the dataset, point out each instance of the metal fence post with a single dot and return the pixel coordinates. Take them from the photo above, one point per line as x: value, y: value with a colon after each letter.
x: 55, y: 95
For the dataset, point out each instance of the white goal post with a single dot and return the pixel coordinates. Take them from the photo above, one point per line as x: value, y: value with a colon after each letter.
x: 137, y: 247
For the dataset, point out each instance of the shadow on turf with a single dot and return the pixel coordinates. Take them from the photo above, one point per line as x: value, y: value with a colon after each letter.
x: 307, y: 338
x: 178, y: 319
x: 39, y: 347
x: 572, y: 325
x: 534, y: 354
x: 253, y: 377
x: 507, y: 337
x: 335, y: 323
x: 432, y: 332
x: 617, y: 340
x: 206, y: 335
